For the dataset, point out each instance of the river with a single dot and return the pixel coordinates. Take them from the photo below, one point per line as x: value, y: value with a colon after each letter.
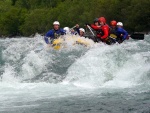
x: 75, y: 79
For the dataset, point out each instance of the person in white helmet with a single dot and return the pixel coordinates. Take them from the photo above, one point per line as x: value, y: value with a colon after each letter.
x: 81, y: 32
x: 122, y: 34
x: 54, y: 33
x: 67, y: 30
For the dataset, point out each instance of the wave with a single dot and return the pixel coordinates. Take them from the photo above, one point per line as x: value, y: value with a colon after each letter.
x: 120, y: 65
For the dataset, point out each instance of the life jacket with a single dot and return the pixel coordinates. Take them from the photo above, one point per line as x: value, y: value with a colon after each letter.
x: 57, y: 33
x: 113, y: 30
x: 112, y: 33
x: 108, y: 35
x: 102, y: 32
x: 105, y: 31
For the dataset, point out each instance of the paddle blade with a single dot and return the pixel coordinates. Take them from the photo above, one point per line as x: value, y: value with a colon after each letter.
x: 137, y: 36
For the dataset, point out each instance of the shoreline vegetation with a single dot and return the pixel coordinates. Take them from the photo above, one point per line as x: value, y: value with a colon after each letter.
x: 27, y: 17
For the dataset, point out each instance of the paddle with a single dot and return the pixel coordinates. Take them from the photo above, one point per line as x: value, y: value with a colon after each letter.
x: 91, y: 30
x: 94, y: 36
x: 137, y: 36
x: 73, y: 27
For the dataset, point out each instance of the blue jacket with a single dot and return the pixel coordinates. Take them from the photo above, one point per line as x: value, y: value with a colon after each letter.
x: 53, y: 34
x: 120, y: 31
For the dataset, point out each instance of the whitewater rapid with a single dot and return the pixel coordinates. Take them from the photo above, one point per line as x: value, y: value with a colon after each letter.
x: 32, y: 74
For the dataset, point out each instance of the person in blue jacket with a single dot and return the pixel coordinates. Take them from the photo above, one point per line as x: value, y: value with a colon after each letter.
x: 122, y: 34
x: 54, y: 33
x: 75, y: 30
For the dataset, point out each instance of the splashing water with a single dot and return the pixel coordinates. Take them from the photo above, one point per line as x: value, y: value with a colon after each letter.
x: 34, y: 76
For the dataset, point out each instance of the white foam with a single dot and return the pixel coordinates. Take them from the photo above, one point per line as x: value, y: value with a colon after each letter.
x: 101, y: 66
x: 32, y: 64
x: 109, y: 66
x: 9, y: 75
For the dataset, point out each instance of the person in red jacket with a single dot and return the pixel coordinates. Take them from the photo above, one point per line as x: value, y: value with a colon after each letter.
x: 96, y: 26
x: 101, y: 28
x: 105, y: 29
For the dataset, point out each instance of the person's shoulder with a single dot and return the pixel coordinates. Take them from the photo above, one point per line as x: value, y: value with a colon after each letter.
x: 120, y: 29
x: 50, y: 31
x: 105, y: 26
x: 61, y: 30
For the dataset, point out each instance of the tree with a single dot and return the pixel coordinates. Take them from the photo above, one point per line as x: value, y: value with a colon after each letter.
x: 10, y: 22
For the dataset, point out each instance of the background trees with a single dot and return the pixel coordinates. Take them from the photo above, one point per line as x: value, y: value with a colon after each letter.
x: 26, y: 17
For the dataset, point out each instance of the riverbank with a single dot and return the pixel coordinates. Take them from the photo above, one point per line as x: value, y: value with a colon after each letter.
x: 28, y: 17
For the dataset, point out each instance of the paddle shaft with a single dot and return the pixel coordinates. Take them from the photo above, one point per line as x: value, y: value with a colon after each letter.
x: 95, y: 38
x: 91, y: 30
x: 73, y: 27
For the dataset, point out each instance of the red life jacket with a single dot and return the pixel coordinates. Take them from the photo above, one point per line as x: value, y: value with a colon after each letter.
x: 102, y: 32
x: 105, y: 31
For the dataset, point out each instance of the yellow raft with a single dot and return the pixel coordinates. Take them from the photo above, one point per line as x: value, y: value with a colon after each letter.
x: 73, y: 40
x: 57, y: 43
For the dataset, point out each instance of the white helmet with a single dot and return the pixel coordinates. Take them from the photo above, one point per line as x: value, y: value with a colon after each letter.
x: 81, y: 29
x: 119, y: 24
x: 66, y: 29
x: 56, y: 23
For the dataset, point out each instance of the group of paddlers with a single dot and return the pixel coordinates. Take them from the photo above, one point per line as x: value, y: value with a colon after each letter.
x: 105, y: 33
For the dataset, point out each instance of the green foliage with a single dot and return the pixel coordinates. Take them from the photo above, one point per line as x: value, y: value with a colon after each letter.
x: 26, y: 17
x: 10, y: 21
x: 35, y: 21
x: 139, y: 15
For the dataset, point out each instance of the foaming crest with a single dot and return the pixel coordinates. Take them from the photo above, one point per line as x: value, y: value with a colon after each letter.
x: 32, y: 64
x: 92, y: 66
x: 32, y: 61
x: 111, y: 66
x: 9, y: 74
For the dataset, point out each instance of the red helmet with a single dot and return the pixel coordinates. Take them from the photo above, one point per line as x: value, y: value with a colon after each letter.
x: 102, y: 19
x: 113, y: 23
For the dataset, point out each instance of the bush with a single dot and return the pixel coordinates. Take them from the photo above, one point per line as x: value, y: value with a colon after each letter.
x: 26, y: 17
x: 10, y: 22
x: 36, y: 21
